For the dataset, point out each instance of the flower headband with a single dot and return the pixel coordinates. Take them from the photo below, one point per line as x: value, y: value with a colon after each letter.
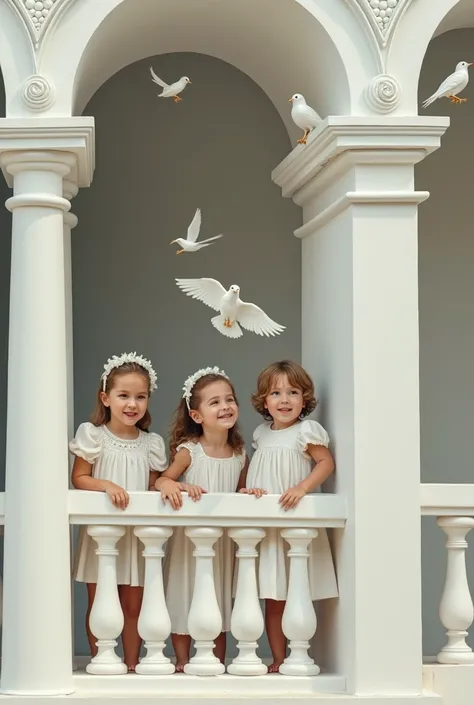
x: 117, y: 361
x: 192, y: 379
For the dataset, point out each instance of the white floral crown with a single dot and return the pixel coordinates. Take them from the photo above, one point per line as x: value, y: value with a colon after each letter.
x: 118, y: 361
x: 192, y: 379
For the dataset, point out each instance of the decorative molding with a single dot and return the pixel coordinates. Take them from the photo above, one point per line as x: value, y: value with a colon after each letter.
x: 68, y: 134
x: 38, y: 15
x: 352, y: 198
x: 382, y: 16
x: 370, y: 139
x: 38, y: 92
x: 383, y: 93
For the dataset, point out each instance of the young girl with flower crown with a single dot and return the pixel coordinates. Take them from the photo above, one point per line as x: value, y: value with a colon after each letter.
x: 115, y: 453
x: 291, y: 459
x: 207, y: 450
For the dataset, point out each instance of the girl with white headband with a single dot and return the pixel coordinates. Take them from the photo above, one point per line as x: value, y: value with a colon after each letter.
x: 115, y: 453
x: 207, y: 451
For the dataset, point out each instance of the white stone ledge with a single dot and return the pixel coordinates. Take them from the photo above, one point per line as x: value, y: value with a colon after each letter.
x: 447, y: 500
x: 147, y: 508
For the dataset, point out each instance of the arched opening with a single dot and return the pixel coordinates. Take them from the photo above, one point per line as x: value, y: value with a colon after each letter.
x: 157, y: 162
x: 446, y: 294
x: 283, y: 51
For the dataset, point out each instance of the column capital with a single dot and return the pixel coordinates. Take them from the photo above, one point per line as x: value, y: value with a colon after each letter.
x: 342, y: 142
x: 73, y: 135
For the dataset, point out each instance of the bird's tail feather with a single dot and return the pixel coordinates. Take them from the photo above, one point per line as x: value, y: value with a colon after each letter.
x: 429, y: 100
x: 234, y: 331
x: 210, y: 239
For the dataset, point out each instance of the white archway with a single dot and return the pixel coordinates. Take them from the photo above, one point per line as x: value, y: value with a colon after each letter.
x: 317, y: 47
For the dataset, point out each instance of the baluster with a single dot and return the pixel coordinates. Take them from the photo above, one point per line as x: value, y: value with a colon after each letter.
x: 154, y: 624
x: 247, y: 620
x: 299, y: 618
x: 204, y: 619
x: 106, y: 617
x: 456, y: 611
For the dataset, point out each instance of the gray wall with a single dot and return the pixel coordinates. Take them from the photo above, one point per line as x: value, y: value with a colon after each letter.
x: 156, y: 162
x: 446, y: 311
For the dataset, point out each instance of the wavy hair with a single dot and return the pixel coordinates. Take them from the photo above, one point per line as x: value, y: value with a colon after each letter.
x: 297, y: 377
x: 185, y: 429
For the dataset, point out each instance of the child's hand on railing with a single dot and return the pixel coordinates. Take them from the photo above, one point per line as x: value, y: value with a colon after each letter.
x: 257, y: 491
x: 291, y: 497
x: 117, y: 495
x: 171, y: 490
x: 194, y: 491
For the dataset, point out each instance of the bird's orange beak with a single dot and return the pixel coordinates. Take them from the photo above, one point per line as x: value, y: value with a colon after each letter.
x: 290, y: 100
x: 472, y: 62
x: 172, y: 242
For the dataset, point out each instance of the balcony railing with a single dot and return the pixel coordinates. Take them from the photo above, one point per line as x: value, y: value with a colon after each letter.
x: 245, y: 518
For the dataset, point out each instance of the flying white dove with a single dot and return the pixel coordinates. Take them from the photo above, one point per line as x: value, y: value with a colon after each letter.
x: 172, y: 90
x: 451, y: 86
x: 189, y: 244
x: 303, y: 116
x: 232, y: 310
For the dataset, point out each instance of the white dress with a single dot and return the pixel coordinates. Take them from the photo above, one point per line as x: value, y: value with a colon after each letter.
x: 280, y: 462
x: 128, y: 464
x: 213, y: 475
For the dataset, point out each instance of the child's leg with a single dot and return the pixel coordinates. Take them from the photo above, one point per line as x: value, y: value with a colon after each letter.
x: 181, y: 646
x: 220, y: 645
x: 91, y: 587
x: 276, y: 638
x: 131, y: 601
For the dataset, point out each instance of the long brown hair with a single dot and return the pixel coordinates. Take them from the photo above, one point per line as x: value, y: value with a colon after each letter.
x: 185, y: 429
x: 297, y: 377
x: 101, y: 413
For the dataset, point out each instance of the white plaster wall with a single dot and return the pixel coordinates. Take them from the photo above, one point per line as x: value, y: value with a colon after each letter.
x: 446, y: 264
x: 156, y: 162
x: 5, y: 243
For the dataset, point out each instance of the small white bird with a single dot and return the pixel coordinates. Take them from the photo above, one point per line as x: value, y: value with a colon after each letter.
x: 451, y: 86
x: 303, y: 116
x: 172, y: 90
x: 189, y: 244
x: 232, y: 310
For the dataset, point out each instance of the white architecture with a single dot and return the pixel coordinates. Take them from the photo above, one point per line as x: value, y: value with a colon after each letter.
x: 358, y: 63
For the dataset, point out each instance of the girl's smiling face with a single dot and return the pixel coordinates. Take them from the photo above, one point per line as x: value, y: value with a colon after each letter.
x: 217, y: 406
x: 283, y: 402
x: 127, y: 400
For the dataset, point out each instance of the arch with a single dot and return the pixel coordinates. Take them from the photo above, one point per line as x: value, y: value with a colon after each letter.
x: 17, y: 59
x: 422, y: 21
x: 317, y: 47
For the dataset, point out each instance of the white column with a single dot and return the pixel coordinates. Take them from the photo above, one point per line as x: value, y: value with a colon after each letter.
x: 299, y: 618
x: 70, y: 190
x: 204, y: 619
x: 106, y: 617
x: 36, y: 650
x: 456, y: 610
x: 355, y: 182
x: 154, y: 623
x: 247, y: 620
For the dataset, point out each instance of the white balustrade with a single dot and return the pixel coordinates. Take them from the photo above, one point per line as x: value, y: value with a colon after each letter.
x: 299, y: 618
x: 204, y: 619
x: 106, y: 617
x: 154, y: 624
x: 247, y: 620
x: 456, y: 609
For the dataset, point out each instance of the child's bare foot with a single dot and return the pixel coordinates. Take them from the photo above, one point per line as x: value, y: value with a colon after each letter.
x: 180, y: 667
x: 275, y: 667
x: 131, y: 669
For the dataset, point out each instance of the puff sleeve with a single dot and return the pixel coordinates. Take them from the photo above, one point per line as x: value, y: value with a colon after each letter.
x: 256, y: 435
x: 87, y: 443
x: 157, y: 453
x: 311, y: 433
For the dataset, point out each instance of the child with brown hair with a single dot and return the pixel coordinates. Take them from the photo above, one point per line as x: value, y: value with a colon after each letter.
x: 291, y: 459
x: 208, y: 451
x: 116, y: 453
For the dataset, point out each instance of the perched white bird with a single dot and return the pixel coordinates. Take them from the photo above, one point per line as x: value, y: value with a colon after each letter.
x: 172, y: 90
x: 451, y: 86
x: 189, y: 244
x: 303, y: 116
x: 232, y: 310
